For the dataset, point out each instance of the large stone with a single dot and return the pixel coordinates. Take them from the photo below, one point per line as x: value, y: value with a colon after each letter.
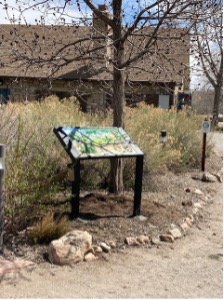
x: 70, y: 248
x: 7, y: 266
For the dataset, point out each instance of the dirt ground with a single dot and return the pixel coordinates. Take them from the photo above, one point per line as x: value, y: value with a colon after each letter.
x: 188, y: 268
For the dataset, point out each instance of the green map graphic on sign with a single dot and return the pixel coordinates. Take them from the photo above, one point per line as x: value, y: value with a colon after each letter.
x: 100, y: 142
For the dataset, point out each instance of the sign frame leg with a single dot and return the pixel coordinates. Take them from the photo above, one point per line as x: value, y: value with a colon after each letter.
x: 138, y: 185
x: 75, y: 191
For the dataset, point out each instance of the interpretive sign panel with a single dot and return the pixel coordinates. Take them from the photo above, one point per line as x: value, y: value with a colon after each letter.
x: 97, y: 142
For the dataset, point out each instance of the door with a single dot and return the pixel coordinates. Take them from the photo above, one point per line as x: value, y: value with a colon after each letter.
x: 164, y: 101
x: 4, y: 93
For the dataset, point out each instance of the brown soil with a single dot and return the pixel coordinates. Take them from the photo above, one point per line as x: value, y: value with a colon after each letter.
x: 107, y: 217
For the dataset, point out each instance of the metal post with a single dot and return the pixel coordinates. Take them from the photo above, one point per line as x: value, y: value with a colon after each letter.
x: 2, y: 155
x: 163, y: 137
x: 75, y: 191
x: 203, y: 152
x: 138, y: 185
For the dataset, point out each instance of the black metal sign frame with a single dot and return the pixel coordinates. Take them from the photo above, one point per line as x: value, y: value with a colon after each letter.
x: 67, y: 142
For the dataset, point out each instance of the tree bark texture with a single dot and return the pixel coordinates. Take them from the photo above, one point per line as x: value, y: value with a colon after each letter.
x: 116, y: 176
x: 2, y: 154
x: 216, y: 105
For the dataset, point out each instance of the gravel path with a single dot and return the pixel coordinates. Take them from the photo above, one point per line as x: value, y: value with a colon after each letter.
x: 217, y: 140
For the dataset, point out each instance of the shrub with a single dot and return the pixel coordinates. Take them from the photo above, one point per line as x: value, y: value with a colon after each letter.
x: 48, y: 229
x: 183, y: 139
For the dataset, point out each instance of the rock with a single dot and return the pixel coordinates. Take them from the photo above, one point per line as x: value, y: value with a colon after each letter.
x: 172, y: 226
x: 112, y: 244
x: 198, y: 205
x: 207, y: 177
x: 166, y: 238
x: 175, y: 232
x: 70, y: 248
x: 184, y: 226
x: 155, y: 241
x: 195, y: 191
x: 189, y: 221
x: 131, y: 241
x: 150, y: 225
x: 7, y: 266
x: 198, y: 192
x: 140, y: 218
x: 106, y: 248
x: 97, y: 249
x: 143, y: 239
x: 90, y: 257
x: 218, y: 176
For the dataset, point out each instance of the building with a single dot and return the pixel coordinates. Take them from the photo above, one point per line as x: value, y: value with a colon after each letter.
x: 39, y: 60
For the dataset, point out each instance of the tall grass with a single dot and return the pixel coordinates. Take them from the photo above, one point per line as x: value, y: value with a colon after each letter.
x: 36, y: 162
x: 183, y: 139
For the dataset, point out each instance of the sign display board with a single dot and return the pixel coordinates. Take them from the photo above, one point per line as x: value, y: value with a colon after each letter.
x: 97, y: 142
x: 206, y: 126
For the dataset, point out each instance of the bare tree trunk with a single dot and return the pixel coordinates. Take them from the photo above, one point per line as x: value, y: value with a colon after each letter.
x: 2, y: 154
x: 117, y: 165
x: 216, y: 104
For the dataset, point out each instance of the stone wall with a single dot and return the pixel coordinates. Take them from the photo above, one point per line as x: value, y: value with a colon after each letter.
x: 93, y: 95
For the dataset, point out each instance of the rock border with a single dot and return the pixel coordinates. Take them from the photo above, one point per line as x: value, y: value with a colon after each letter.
x: 176, y: 231
x: 93, y: 252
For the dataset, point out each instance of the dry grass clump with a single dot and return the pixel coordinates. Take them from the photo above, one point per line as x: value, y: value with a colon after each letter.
x: 8, y: 123
x: 48, y: 229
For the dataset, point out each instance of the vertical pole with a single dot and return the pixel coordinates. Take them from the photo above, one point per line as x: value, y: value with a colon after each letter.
x: 2, y: 154
x: 203, y: 152
x: 75, y: 191
x: 163, y: 137
x: 138, y: 185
